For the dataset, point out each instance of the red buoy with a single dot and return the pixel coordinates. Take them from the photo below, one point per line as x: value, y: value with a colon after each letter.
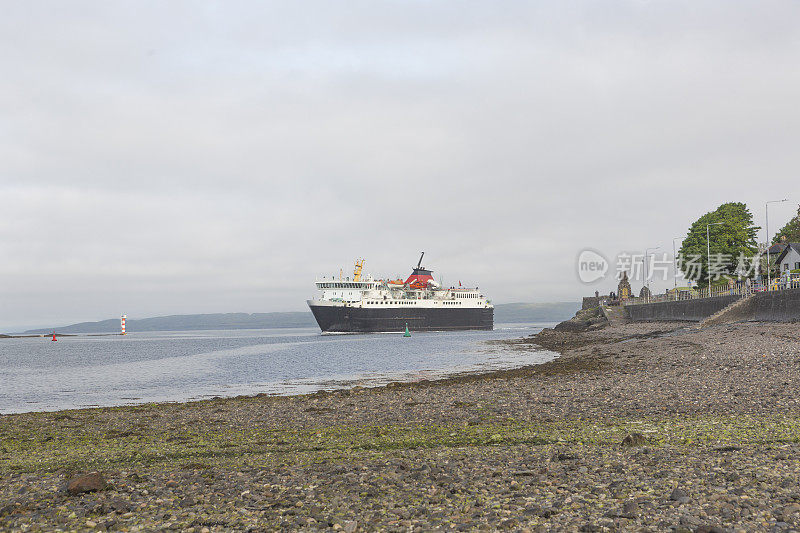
x: 54, y: 336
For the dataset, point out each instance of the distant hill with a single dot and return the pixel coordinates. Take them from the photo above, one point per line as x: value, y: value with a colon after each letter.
x: 534, y: 312
x: 300, y: 319
x: 503, y: 313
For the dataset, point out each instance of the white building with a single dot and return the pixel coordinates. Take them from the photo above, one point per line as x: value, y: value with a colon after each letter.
x: 789, y: 259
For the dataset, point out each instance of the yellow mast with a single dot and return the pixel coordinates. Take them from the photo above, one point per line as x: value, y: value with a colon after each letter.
x: 357, y: 271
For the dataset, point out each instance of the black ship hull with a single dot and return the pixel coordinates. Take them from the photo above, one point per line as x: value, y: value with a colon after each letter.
x: 338, y: 319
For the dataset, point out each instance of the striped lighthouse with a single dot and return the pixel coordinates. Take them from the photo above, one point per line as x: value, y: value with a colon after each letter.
x: 122, y: 324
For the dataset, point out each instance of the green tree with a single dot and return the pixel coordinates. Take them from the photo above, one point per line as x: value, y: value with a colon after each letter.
x: 733, y: 236
x: 791, y: 230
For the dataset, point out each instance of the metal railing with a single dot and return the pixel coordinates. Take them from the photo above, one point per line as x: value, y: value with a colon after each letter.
x: 742, y: 289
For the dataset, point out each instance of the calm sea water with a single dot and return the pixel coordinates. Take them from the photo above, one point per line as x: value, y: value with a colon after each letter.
x: 37, y: 374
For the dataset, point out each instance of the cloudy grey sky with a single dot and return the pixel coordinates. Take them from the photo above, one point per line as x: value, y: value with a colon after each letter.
x: 186, y: 157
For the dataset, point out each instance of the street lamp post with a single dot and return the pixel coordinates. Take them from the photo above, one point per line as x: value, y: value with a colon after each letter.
x: 646, y: 271
x: 708, y: 254
x: 675, y: 266
x: 769, y: 266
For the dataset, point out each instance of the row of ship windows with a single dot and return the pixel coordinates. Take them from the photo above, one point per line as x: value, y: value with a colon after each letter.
x: 400, y: 302
x: 390, y: 302
x: 343, y: 285
x: 368, y: 286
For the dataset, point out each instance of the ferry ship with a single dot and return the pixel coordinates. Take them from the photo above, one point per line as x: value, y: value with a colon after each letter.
x: 367, y: 305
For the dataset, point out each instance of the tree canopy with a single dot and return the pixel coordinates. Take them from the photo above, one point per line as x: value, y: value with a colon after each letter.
x: 791, y: 230
x: 732, y: 236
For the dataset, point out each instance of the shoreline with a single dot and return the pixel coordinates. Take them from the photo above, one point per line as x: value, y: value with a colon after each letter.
x: 531, y: 342
x: 534, y: 448
x: 340, y: 382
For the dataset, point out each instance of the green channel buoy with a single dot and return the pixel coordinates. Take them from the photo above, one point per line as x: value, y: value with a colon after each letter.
x: 407, y: 333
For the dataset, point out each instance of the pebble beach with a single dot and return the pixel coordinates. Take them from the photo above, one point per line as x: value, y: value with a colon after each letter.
x: 642, y: 427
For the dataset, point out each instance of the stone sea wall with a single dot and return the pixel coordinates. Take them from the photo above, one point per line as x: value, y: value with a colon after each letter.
x: 778, y: 306
x: 682, y: 310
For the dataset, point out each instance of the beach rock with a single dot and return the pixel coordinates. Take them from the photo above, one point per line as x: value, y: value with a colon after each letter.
x: 630, y: 510
x: 634, y: 439
x: 509, y: 523
x: 573, y: 325
x: 91, y: 482
x: 565, y: 457
x: 710, y: 529
x: 583, y: 320
x: 791, y: 509
x: 119, y: 505
x: 679, y: 495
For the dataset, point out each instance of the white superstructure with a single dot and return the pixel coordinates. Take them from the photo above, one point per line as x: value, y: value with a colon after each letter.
x: 372, y: 293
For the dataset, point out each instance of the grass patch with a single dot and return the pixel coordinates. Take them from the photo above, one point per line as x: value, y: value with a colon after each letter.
x: 31, y: 446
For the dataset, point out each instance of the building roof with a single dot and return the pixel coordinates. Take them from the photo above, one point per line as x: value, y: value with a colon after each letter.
x: 776, y: 248
x: 790, y: 246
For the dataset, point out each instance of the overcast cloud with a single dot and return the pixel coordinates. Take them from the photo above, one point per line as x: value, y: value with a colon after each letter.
x: 189, y: 157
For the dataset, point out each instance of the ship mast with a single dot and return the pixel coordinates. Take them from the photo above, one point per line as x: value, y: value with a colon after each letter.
x: 357, y: 271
